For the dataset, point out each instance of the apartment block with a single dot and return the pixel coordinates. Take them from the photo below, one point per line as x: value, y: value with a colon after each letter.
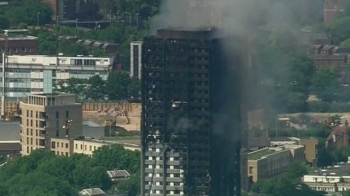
x: 46, y: 119
x: 64, y: 9
x: 135, y: 59
x: 19, y: 42
x: 184, y: 77
x: 272, y: 161
x: 331, y: 179
x: 36, y: 74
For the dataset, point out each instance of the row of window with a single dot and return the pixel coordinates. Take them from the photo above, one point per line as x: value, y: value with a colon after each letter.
x: 15, y: 50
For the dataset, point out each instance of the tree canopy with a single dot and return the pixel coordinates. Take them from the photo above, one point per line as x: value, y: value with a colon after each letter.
x: 43, y: 173
x: 118, y: 86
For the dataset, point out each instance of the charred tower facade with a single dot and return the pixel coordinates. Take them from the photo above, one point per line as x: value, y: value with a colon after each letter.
x: 190, y: 131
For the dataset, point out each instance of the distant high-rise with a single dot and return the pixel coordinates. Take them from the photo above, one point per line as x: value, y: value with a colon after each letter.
x: 191, y: 115
x: 135, y: 59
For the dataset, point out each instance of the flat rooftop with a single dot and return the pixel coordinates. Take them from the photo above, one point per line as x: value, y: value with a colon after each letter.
x: 341, y: 169
x: 261, y: 153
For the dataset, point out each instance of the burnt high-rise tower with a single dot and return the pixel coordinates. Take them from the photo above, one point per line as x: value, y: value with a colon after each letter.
x: 191, y: 115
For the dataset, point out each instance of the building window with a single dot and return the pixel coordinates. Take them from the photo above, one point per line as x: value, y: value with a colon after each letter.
x: 90, y: 148
x: 31, y: 132
x: 67, y: 114
x: 81, y: 147
x: 66, y: 145
x: 67, y: 154
x: 27, y: 113
x: 76, y: 146
x: 53, y: 146
x: 250, y: 170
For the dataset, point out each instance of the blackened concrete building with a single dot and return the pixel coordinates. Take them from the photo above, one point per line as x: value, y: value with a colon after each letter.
x: 191, y: 115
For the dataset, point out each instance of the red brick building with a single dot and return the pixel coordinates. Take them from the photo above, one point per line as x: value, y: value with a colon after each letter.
x: 19, y: 42
x: 331, y: 8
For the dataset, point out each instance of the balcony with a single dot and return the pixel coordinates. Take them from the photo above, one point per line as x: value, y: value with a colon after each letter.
x: 43, y: 116
x: 42, y: 125
x: 42, y: 142
x: 42, y: 134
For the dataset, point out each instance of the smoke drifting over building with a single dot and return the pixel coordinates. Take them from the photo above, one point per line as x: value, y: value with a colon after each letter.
x: 197, y: 86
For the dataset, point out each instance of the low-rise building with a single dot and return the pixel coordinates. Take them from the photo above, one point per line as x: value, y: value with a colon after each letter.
x: 330, y: 179
x: 272, y: 161
x: 19, y: 42
x: 310, y: 146
x: 83, y: 145
x: 33, y: 74
x: 118, y: 175
x: 338, y: 138
x: 92, y: 192
x: 10, y: 149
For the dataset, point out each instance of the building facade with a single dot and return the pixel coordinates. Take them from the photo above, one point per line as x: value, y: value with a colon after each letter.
x: 332, y: 8
x: 18, y: 42
x: 186, y: 148
x: 33, y: 74
x: 310, y: 146
x: 331, y: 179
x: 48, y: 116
x: 135, y: 59
x: 272, y: 161
x: 64, y: 9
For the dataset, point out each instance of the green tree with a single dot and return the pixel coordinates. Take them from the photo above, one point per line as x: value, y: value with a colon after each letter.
x: 122, y: 159
x: 29, y: 12
x: 76, y: 86
x: 131, y: 187
x: 96, y: 89
x: 117, y: 85
x: 47, y: 42
x: 69, y: 48
x: 38, y: 183
x: 325, y: 84
x: 345, y: 43
x: 134, y: 88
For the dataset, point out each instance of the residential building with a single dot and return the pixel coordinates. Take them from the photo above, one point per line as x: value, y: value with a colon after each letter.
x: 135, y: 59
x: 33, y: 74
x: 186, y: 149
x: 92, y: 192
x: 19, y: 42
x: 83, y: 145
x: 110, y: 49
x: 46, y: 119
x: 272, y: 161
x: 64, y: 9
x: 310, y: 146
x: 118, y: 175
x: 338, y: 138
x: 331, y: 179
x: 10, y: 149
x: 332, y: 8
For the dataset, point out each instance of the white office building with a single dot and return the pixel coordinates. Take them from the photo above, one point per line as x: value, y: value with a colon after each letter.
x: 32, y: 74
x: 135, y: 59
x: 331, y: 179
